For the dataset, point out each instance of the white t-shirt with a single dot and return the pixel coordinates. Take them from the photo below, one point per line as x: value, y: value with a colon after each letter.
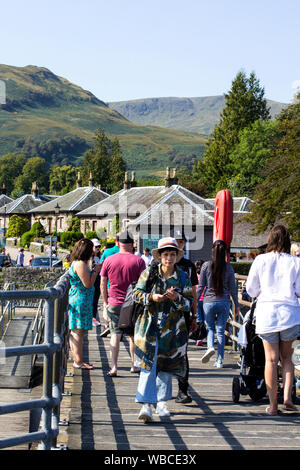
x: 147, y: 259
x: 274, y: 278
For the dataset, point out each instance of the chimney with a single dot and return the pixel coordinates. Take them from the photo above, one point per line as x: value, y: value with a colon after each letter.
x: 99, y: 186
x: 175, y: 179
x: 91, y: 182
x: 126, y: 181
x: 133, y: 182
x: 3, y: 191
x: 168, y: 180
x: 34, y: 189
x: 79, y: 181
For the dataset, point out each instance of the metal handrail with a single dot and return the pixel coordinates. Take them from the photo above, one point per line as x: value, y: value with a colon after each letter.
x: 53, y: 349
x: 237, y: 320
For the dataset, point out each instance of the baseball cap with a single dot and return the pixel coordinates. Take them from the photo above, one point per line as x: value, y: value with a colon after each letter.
x: 179, y: 235
x: 126, y: 237
x: 96, y: 242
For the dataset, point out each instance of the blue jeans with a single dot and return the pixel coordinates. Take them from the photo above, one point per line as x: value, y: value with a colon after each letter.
x: 200, y: 312
x: 153, y: 387
x: 216, y: 314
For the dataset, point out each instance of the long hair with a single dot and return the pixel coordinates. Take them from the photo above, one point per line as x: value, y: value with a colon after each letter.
x: 83, y: 250
x: 279, y: 239
x: 218, y: 266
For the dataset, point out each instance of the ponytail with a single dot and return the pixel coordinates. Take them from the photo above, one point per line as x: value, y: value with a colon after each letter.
x: 218, y: 266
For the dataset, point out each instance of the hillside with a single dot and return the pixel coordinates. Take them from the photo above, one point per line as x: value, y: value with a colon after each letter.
x: 46, y: 115
x: 198, y: 115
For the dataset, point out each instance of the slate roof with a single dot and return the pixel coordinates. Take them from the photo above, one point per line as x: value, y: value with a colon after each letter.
x: 5, y: 200
x: 244, y: 234
x: 181, y: 206
x: 140, y: 202
x: 240, y: 204
x: 74, y: 201
x: 24, y: 204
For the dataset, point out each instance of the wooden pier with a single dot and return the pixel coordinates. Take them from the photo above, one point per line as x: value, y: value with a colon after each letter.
x: 102, y: 412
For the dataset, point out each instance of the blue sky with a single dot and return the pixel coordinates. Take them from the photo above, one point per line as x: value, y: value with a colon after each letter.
x: 130, y: 49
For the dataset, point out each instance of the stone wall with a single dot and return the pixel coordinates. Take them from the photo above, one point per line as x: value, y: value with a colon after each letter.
x: 29, y: 276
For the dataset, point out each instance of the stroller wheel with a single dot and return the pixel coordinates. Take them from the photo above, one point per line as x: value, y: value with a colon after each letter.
x: 257, y: 394
x: 236, y: 389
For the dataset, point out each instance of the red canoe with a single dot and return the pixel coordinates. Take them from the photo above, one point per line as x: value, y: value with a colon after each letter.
x: 223, y: 218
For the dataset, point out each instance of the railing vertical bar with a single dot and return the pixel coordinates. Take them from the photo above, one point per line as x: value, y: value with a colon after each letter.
x: 47, y: 373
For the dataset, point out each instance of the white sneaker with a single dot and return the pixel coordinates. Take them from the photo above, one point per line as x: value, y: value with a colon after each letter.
x: 162, y: 409
x: 146, y: 414
x: 209, y: 353
x: 218, y: 364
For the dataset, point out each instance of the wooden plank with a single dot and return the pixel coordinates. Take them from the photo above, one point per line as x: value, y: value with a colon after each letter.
x: 103, y: 413
x: 16, y: 371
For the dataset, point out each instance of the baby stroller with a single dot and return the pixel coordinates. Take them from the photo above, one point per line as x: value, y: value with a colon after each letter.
x: 251, y: 380
x: 252, y: 364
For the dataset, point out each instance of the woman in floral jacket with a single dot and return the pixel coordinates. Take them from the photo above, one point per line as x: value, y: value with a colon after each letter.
x: 160, y: 335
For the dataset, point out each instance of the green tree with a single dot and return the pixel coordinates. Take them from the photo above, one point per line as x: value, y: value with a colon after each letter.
x: 97, y: 160
x: 189, y: 180
x: 117, y: 168
x: 277, y: 197
x: 35, y: 169
x: 244, y: 104
x: 62, y: 179
x: 249, y: 156
x: 11, y: 165
x: 17, y: 226
x: 74, y: 224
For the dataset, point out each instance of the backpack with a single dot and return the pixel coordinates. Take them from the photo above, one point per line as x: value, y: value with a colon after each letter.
x: 131, y: 310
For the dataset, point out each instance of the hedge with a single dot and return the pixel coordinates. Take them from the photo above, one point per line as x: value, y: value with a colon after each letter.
x: 241, y: 268
x: 69, y: 238
x: 91, y: 234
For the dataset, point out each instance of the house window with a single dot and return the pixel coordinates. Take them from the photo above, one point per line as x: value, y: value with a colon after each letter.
x: 94, y: 225
x: 125, y: 223
x: 60, y: 221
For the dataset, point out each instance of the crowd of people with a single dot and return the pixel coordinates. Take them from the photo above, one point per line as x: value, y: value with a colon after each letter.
x: 179, y: 300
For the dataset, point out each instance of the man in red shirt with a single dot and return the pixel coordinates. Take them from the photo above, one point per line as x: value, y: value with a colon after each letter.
x: 120, y: 270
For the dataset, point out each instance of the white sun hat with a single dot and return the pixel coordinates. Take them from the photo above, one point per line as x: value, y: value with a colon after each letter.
x: 167, y: 242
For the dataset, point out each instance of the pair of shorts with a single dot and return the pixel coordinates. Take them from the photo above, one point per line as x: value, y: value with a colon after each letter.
x: 290, y: 334
x: 113, y: 312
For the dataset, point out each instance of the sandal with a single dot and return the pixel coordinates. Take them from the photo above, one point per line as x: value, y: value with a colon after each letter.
x: 135, y: 370
x: 290, y: 407
x: 269, y: 412
x: 83, y: 366
x: 112, y: 374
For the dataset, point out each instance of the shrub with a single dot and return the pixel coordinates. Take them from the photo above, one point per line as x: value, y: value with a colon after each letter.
x: 91, y: 234
x: 38, y: 230
x: 26, y: 238
x: 241, y: 268
x: 17, y: 226
x: 70, y: 237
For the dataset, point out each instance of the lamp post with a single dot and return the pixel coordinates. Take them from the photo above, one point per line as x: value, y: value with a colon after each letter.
x: 56, y: 210
x: 4, y: 230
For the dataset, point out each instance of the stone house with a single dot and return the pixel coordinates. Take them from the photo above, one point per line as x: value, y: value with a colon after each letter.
x: 151, y: 212
x: 22, y: 206
x: 57, y: 214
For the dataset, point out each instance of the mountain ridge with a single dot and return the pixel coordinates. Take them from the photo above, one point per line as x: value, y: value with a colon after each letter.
x: 194, y: 114
x: 49, y: 116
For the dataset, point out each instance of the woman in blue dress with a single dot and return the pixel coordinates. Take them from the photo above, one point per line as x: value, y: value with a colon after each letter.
x: 81, y: 295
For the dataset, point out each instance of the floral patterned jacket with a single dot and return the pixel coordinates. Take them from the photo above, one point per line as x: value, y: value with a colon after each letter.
x: 163, y: 322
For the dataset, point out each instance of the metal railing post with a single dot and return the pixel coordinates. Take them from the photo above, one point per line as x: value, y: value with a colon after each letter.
x: 47, y: 373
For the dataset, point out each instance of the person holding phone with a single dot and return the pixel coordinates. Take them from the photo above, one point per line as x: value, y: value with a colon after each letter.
x: 81, y: 294
x: 161, y: 334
